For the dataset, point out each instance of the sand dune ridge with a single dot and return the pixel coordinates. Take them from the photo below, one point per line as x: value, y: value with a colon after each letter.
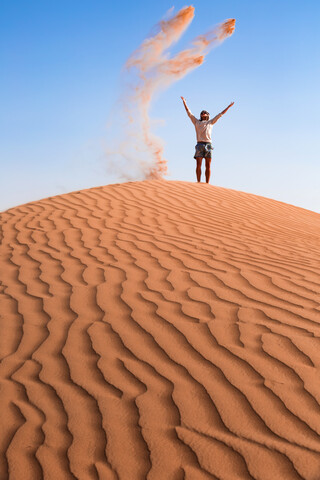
x: 159, y: 330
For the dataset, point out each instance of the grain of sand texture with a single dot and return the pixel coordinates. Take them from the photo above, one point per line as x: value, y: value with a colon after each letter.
x: 160, y: 330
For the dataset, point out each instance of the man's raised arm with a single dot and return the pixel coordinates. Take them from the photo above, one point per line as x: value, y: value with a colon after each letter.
x: 216, y: 118
x: 192, y: 117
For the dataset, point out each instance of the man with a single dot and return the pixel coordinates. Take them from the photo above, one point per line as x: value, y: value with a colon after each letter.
x: 203, y: 130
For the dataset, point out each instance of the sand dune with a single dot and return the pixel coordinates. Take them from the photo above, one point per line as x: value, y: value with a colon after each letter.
x: 160, y: 330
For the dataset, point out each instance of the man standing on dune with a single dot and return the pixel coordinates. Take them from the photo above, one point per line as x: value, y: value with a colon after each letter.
x: 203, y: 131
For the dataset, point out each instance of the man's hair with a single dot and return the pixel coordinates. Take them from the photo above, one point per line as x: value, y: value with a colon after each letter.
x: 204, y: 111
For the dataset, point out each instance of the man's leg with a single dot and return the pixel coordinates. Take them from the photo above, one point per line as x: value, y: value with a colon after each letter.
x: 198, y: 169
x: 208, y: 169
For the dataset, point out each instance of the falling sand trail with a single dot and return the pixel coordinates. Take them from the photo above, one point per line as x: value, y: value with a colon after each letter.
x: 133, y: 150
x: 159, y: 330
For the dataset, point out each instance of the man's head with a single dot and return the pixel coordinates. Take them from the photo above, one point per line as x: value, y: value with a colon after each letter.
x: 204, y: 115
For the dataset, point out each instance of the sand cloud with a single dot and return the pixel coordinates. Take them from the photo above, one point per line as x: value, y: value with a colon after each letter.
x: 149, y: 70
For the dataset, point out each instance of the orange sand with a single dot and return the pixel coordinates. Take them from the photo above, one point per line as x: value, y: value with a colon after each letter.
x: 156, y: 70
x: 159, y: 330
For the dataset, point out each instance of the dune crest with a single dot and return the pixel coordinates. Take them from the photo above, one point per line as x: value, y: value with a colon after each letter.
x: 160, y: 330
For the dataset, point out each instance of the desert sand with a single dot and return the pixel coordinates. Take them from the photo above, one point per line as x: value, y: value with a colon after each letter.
x: 160, y: 330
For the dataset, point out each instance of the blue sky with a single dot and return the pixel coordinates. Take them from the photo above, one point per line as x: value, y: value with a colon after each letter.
x: 60, y: 70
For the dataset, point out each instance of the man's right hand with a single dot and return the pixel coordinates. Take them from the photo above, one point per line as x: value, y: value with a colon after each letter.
x: 183, y: 99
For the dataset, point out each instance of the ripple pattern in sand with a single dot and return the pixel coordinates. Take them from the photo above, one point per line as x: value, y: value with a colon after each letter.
x: 159, y: 330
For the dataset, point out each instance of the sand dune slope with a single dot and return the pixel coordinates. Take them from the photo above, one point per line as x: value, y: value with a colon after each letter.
x: 159, y: 330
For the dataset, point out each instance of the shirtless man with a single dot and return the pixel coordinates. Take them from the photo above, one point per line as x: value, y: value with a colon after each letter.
x: 203, y: 130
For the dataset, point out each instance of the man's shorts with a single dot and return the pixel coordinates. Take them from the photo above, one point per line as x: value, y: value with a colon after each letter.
x: 203, y: 150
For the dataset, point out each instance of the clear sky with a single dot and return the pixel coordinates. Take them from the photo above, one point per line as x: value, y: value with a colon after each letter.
x: 60, y: 67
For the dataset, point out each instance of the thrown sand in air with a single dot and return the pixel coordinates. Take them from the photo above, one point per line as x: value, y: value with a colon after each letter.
x: 150, y: 69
